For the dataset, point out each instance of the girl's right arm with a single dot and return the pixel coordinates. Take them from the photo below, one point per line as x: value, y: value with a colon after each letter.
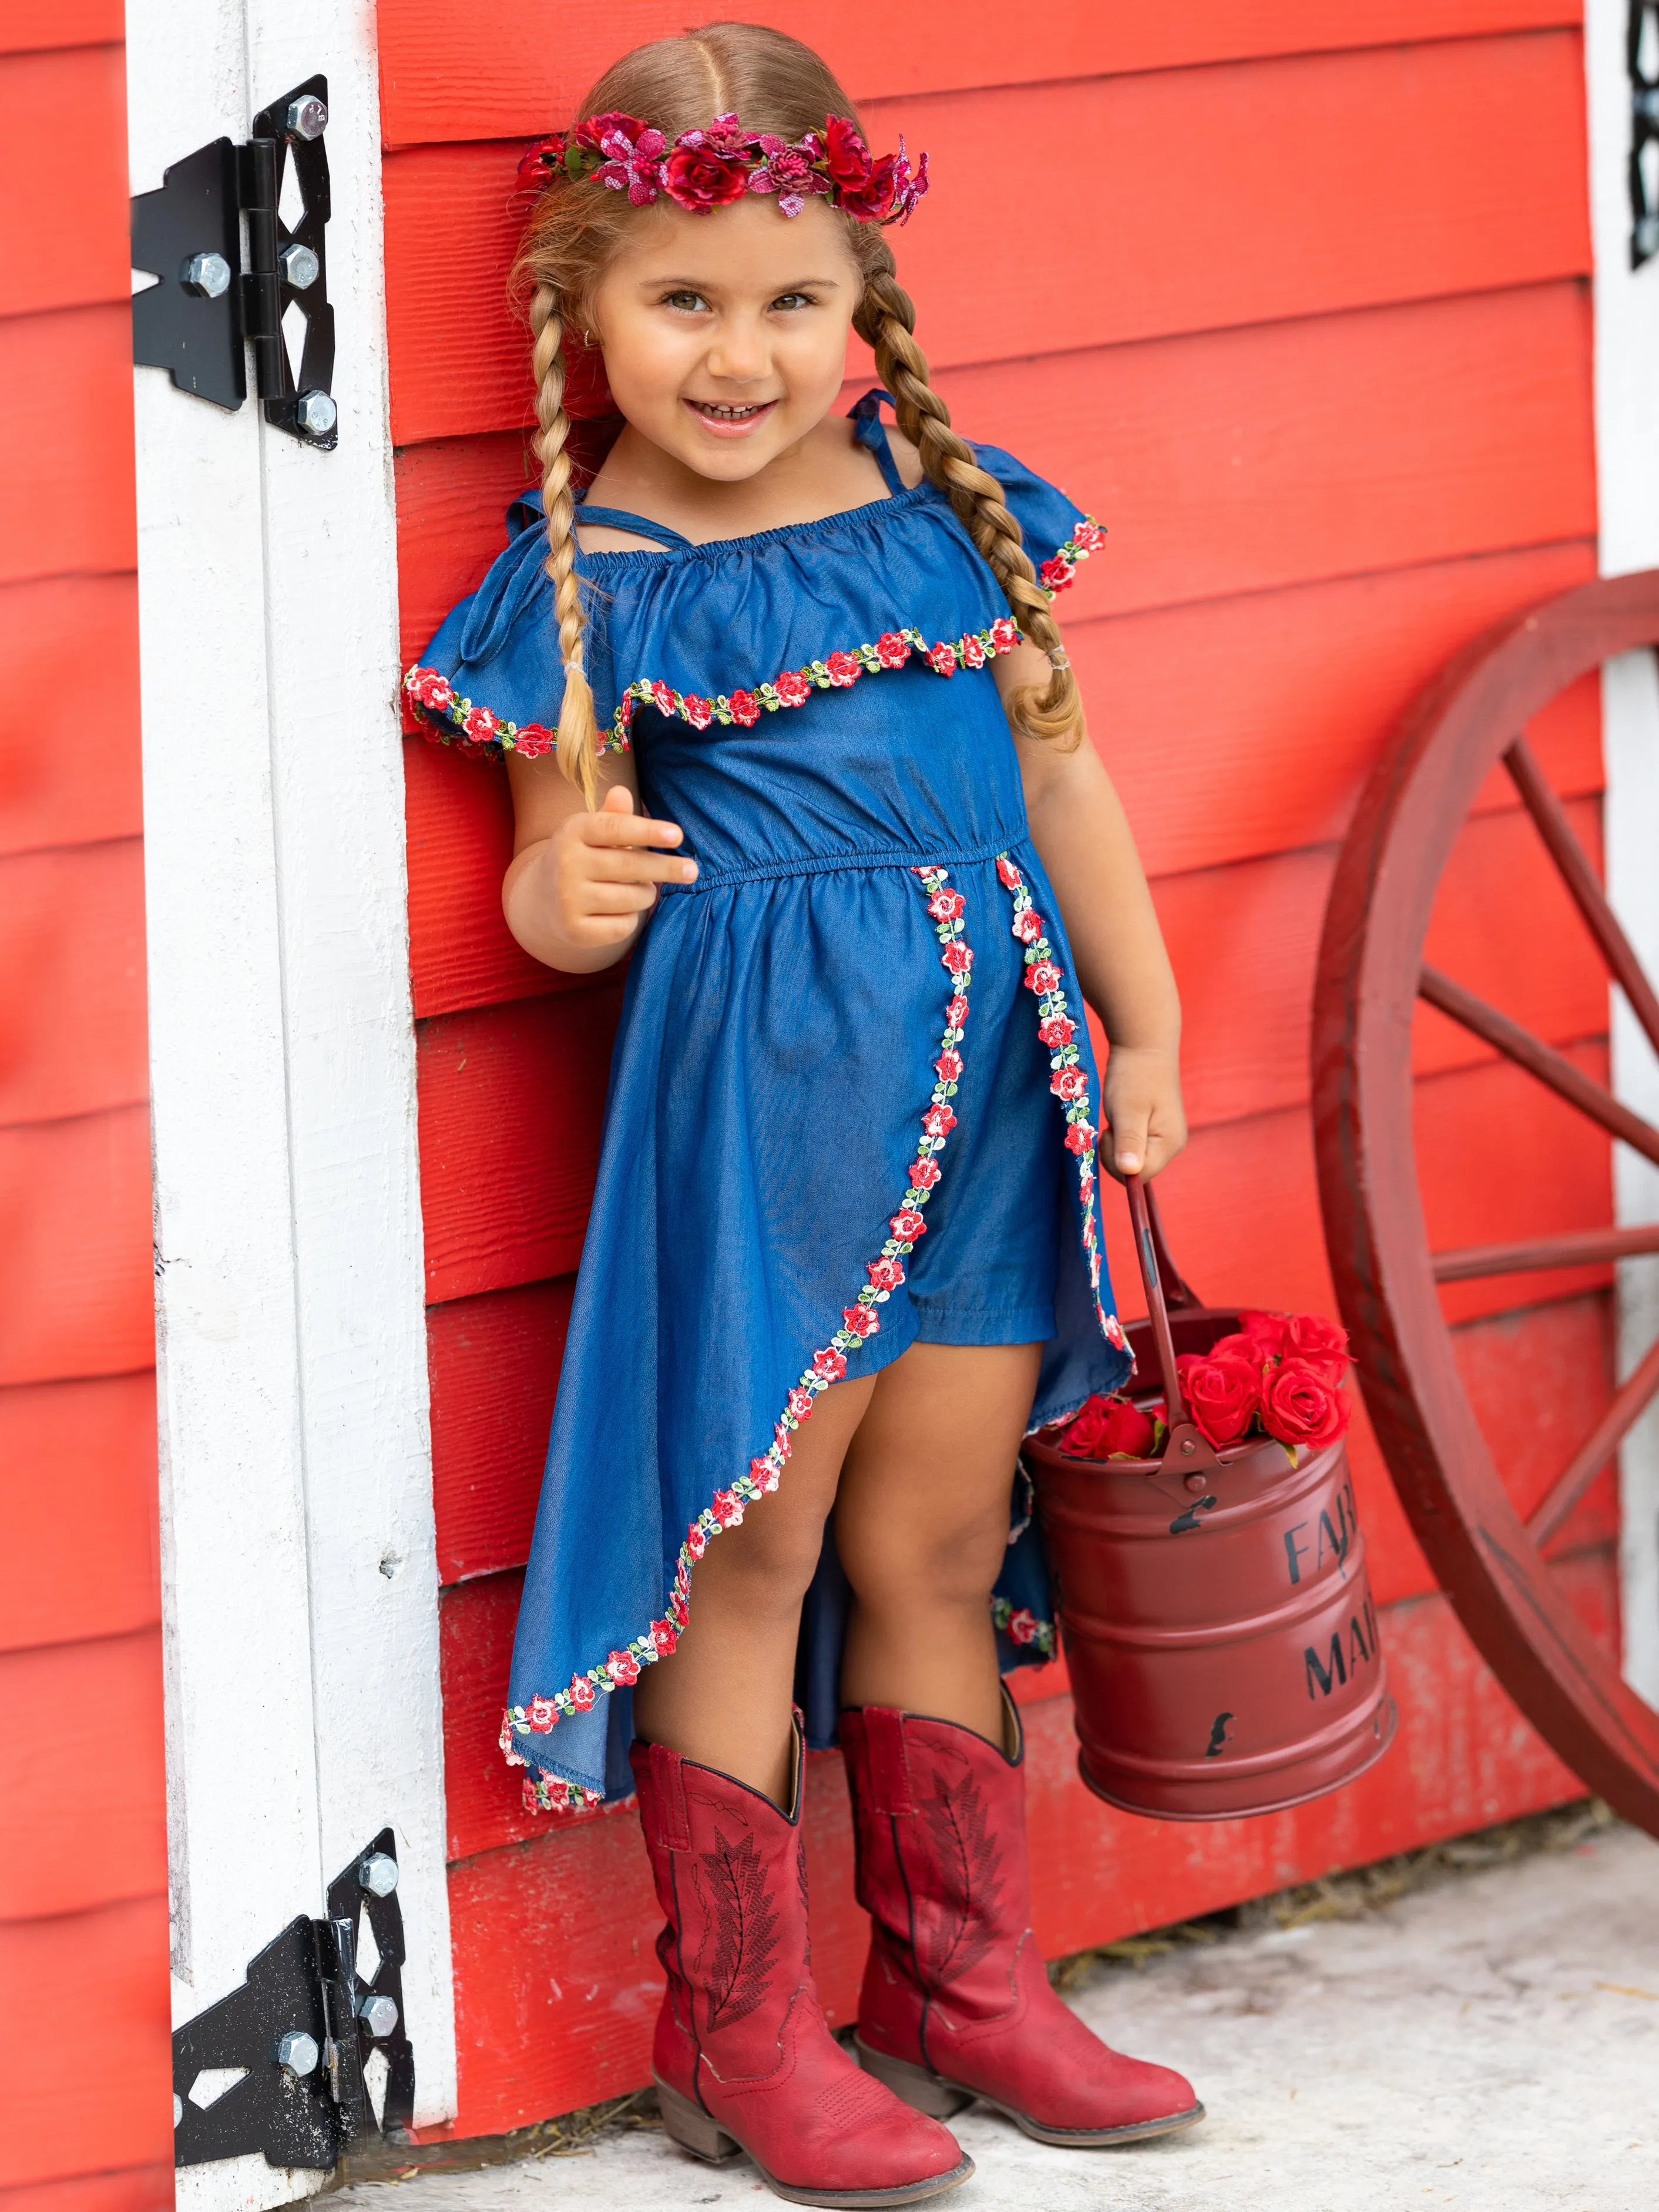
x: 580, y: 883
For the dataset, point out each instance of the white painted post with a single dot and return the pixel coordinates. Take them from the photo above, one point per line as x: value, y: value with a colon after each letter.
x: 300, y: 1582
x: 1627, y: 467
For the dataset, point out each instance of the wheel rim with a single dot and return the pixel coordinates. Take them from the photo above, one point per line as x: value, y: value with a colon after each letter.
x: 1491, y: 1562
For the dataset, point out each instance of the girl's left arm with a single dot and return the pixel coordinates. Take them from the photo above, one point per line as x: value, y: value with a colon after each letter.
x: 1079, y: 828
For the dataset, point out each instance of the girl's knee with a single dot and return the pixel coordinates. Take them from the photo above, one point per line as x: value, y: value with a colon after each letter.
x: 905, y: 1565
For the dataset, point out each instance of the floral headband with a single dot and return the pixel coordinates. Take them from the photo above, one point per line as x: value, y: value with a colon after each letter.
x: 705, y: 169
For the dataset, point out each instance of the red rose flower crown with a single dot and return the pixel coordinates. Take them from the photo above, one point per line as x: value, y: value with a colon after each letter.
x: 705, y: 169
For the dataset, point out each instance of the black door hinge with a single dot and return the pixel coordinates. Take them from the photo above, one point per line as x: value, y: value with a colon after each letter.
x: 212, y: 299
x: 302, y: 2033
x: 1642, y: 61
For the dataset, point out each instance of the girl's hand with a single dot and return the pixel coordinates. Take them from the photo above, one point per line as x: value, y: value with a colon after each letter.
x: 577, y: 896
x: 1146, y: 1122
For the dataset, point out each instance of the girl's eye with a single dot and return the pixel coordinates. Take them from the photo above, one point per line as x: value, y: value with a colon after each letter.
x: 688, y: 303
x: 793, y: 299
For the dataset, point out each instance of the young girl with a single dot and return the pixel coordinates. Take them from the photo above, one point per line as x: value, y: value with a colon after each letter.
x: 820, y: 769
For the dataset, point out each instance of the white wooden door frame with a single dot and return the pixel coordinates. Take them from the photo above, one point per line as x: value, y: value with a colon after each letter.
x: 299, y: 1566
x: 1627, y: 472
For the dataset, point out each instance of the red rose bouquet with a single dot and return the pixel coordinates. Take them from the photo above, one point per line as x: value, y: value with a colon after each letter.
x: 1278, y: 1376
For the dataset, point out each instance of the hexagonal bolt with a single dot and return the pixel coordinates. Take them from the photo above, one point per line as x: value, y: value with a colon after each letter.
x: 206, y: 275
x: 307, y: 117
x: 379, y: 2014
x: 300, y: 266
x: 378, y: 1873
x: 316, y: 413
x: 297, y: 2051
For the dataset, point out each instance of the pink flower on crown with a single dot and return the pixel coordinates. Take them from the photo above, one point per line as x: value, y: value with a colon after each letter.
x: 1058, y: 573
x: 844, y: 668
x: 924, y: 1174
x: 1080, y: 1138
x: 792, y: 688
x: 1028, y: 924
x: 480, y: 724
x: 860, y: 1320
x: 788, y: 173
x: 663, y: 697
x: 892, y: 650
x: 972, y: 653
x: 745, y: 708
x: 1069, y: 1084
x: 1007, y: 873
x: 699, y: 713
x: 1004, y: 636
x: 581, y: 1693
x: 958, y: 958
x: 1057, y: 1030
x: 1042, y: 976
x: 885, y: 1274
x: 956, y: 1013
x: 907, y: 1225
x: 533, y: 741
x: 828, y: 1364
x: 622, y: 1667
x: 945, y: 906
x: 541, y: 1713
x: 942, y: 659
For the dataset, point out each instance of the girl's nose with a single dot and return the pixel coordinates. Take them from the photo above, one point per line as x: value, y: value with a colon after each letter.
x: 738, y: 354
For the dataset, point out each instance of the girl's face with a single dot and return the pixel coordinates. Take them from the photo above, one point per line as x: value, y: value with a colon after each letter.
x: 724, y: 334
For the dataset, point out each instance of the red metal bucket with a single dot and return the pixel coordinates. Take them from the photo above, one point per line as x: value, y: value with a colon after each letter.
x: 1214, y: 1606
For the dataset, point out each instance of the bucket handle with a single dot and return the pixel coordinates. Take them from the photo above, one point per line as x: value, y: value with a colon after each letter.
x: 1166, y: 1288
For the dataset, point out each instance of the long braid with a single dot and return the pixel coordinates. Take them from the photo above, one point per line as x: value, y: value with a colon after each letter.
x: 578, y: 731
x: 886, y: 320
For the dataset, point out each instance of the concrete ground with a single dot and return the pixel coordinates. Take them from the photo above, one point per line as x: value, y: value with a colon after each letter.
x: 1490, y: 2042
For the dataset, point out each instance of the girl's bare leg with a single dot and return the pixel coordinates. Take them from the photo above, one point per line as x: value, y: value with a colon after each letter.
x: 724, y: 1699
x: 921, y: 1524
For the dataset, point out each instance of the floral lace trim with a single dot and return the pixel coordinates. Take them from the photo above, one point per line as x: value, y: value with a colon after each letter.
x: 432, y: 707
x: 1022, y: 1626
x: 859, y: 1322
x: 1069, y: 1081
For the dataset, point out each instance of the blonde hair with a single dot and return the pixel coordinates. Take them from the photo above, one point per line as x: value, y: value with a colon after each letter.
x: 774, y: 84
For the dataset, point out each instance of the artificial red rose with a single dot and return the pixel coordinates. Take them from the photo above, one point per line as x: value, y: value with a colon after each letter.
x: 956, y: 1013
x: 1004, y: 635
x: 1302, y: 1405
x: 533, y: 741
x: 942, y: 659
x: 1264, y: 1329
x: 958, y: 958
x: 1239, y: 1346
x: 892, y: 650
x: 945, y: 906
x: 924, y: 1174
x: 830, y: 1364
x: 1027, y: 925
x: 1069, y: 1084
x: 1080, y: 1136
x: 865, y: 187
x: 792, y: 688
x: 885, y: 1274
x: 907, y: 1225
x: 700, y: 178
x: 859, y: 1321
x: 1105, y: 1427
x: 1042, y: 976
x: 1057, y: 1031
x: 596, y: 129
x: 622, y: 1667
x: 581, y: 1693
x: 844, y: 668
x: 1223, y: 1395
x: 948, y: 1066
x: 1320, y: 1342
x: 541, y: 1713
x: 699, y: 713
x: 745, y: 708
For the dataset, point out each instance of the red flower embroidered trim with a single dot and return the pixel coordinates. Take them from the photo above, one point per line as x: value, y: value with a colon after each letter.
x: 1022, y: 1626
x: 859, y: 1322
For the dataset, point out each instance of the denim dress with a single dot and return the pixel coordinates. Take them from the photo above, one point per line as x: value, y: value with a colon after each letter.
x: 853, y: 1102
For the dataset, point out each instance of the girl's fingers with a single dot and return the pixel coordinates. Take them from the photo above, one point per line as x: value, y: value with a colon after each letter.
x: 620, y: 866
x: 608, y: 898
x: 619, y: 825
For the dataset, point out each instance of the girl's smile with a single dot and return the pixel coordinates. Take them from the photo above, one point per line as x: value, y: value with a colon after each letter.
x: 724, y: 419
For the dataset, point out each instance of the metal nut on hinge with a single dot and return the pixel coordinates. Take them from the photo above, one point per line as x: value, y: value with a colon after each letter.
x: 378, y: 1873
x: 297, y: 2051
x: 378, y: 2013
x: 307, y: 117
x: 316, y: 413
x: 300, y: 266
x: 207, y: 275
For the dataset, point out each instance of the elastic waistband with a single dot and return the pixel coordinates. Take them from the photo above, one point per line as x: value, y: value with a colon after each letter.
x: 851, y: 863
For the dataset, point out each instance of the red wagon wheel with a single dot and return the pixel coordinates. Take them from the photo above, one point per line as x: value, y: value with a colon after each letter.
x: 1492, y: 1562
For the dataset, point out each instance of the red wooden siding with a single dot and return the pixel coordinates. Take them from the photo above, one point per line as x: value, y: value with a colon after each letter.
x: 1337, y: 417
x: 83, y: 1935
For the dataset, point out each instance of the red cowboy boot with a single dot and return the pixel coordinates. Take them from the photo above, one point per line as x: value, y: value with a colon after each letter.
x: 956, y: 2003
x: 743, y: 2059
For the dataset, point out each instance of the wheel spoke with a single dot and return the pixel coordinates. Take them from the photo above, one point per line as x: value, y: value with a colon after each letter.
x: 1587, y: 896
x: 1575, y: 1248
x: 1540, y: 1059
x: 1626, y: 1409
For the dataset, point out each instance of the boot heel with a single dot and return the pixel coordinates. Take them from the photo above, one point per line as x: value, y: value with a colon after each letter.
x: 924, y: 2091
x: 691, y: 2128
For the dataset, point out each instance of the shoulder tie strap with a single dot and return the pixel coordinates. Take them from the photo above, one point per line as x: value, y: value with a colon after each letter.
x: 871, y: 432
x: 617, y: 518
